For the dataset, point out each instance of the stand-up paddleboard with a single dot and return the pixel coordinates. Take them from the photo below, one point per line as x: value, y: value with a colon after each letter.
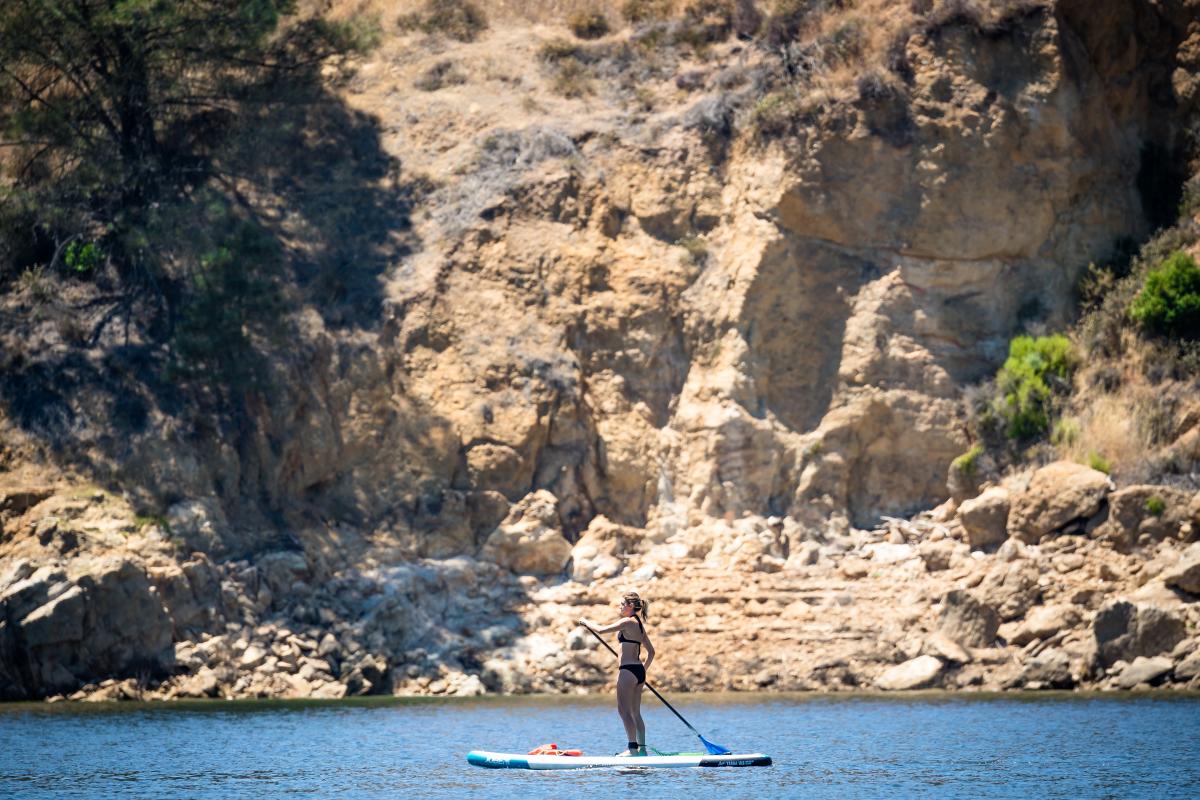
x: 483, y: 758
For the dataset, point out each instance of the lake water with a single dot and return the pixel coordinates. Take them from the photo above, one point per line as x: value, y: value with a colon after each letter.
x: 928, y: 746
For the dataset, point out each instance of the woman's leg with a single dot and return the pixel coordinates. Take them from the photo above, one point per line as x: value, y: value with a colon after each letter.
x: 627, y: 690
x: 637, y: 717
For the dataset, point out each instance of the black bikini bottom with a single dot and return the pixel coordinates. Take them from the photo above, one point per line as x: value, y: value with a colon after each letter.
x: 638, y: 671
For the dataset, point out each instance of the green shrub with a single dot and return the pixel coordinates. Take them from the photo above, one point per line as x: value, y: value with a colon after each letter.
x: 83, y: 258
x: 968, y: 462
x: 588, y: 24
x: 1099, y: 463
x: 1155, y: 505
x: 1035, y: 371
x: 1169, y: 302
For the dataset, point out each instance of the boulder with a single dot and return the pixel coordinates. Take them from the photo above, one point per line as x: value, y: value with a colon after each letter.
x: 1144, y: 670
x: 854, y: 568
x: 1124, y: 631
x: 16, y: 501
x: 985, y: 518
x: 947, y: 649
x: 530, y: 539
x: 963, y: 484
x: 199, y: 525
x: 92, y: 617
x: 967, y: 621
x: 1011, y: 588
x: 1189, y: 667
x: 203, y: 684
x: 1050, y: 669
x: 252, y: 657
x: 936, y: 555
x: 1185, y: 575
x: 190, y: 592
x: 1058, y: 494
x: 599, y: 551
x: 1043, y: 622
x: 282, y: 568
x: 890, y: 552
x: 1157, y: 512
x: 916, y: 673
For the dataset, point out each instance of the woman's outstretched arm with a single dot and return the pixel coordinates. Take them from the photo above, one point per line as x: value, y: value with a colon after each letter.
x: 598, y: 628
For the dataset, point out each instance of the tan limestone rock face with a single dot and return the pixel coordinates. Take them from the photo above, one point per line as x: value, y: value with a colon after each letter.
x: 530, y: 539
x: 1058, y: 494
x: 882, y: 452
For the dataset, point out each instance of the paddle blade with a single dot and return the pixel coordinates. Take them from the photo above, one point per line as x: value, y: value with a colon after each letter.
x: 714, y: 749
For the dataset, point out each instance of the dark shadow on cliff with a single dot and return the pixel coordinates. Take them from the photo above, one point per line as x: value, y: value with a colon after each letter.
x: 317, y: 175
x: 91, y: 368
x: 794, y: 321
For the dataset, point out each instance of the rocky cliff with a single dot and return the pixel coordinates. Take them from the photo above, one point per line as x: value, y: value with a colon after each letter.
x: 677, y: 308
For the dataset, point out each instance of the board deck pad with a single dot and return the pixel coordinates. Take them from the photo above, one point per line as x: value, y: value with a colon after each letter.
x: 490, y: 760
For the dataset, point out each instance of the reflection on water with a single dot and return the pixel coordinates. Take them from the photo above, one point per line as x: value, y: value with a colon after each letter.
x: 929, y: 745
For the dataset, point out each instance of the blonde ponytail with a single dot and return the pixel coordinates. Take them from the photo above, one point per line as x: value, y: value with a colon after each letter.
x: 641, y: 608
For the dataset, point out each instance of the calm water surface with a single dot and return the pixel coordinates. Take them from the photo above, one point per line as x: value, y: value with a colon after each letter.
x: 924, y: 746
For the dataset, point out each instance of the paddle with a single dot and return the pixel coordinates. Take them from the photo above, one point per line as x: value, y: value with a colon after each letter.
x: 713, y: 749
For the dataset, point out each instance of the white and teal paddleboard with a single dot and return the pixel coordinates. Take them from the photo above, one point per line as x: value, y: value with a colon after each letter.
x: 483, y: 758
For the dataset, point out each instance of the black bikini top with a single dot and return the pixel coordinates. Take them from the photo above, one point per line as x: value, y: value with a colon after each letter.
x: 624, y: 640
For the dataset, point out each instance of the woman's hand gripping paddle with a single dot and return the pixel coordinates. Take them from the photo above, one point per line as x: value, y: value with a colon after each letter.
x: 713, y: 749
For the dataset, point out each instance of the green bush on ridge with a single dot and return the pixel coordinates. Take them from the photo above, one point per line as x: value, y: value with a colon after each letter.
x: 1035, y: 372
x: 1169, y: 302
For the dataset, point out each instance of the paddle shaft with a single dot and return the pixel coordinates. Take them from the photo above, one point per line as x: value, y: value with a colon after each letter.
x: 648, y: 686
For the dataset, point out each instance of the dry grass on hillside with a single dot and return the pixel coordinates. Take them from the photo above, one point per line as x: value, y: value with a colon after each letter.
x: 1136, y: 395
x: 1128, y: 428
x: 830, y: 50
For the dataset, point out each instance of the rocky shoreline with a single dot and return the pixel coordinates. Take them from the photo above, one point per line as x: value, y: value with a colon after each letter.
x: 1049, y: 580
x: 699, y: 322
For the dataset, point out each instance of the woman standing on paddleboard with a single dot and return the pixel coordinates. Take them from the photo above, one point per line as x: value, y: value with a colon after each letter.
x: 631, y: 672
